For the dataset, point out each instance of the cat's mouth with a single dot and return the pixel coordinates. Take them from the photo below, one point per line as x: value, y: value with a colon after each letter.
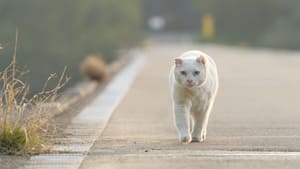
x: 189, y: 85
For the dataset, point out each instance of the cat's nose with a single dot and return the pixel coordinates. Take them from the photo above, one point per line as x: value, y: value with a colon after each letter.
x: 189, y: 81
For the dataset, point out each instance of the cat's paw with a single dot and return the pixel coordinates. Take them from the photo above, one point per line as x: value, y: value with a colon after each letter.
x: 201, y: 138
x: 198, y: 139
x: 185, y: 139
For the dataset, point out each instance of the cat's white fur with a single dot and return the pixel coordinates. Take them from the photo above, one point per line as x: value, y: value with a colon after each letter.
x: 193, y: 100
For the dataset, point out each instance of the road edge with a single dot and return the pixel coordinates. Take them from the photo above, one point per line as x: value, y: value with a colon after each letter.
x: 89, y: 124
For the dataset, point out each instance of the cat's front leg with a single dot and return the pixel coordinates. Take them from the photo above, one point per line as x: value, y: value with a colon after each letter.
x: 182, y: 119
x: 201, y: 121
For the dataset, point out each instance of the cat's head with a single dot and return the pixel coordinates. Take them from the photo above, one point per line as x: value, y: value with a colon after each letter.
x: 190, y: 72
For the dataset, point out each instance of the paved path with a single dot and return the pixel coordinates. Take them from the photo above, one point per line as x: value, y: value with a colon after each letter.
x: 255, y: 122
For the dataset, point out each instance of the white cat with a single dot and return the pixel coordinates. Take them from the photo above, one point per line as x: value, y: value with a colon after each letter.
x: 194, y: 85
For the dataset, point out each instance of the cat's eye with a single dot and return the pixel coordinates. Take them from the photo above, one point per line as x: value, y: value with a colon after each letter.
x: 183, y: 73
x: 196, y: 73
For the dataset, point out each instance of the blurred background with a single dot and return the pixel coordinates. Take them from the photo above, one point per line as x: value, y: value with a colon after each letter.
x: 58, y: 33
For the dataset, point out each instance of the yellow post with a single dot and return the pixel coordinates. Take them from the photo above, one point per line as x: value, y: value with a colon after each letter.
x: 208, y: 27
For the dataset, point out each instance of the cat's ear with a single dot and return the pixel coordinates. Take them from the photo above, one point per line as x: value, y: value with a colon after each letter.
x: 178, y: 61
x: 201, y: 59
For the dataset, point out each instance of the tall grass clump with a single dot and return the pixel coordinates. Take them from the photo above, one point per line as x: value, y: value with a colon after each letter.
x: 24, y: 121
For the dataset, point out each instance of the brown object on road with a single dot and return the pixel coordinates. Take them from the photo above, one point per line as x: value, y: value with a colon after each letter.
x: 94, y: 68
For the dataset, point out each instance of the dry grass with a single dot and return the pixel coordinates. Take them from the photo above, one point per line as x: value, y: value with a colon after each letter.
x: 94, y: 68
x: 23, y: 120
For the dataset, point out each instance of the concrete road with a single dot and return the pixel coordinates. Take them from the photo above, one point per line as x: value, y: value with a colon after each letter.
x: 255, y: 122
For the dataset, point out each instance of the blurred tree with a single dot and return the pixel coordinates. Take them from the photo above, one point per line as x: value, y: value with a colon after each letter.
x: 180, y: 15
x: 284, y: 32
x: 61, y: 32
x: 239, y: 20
x: 272, y: 23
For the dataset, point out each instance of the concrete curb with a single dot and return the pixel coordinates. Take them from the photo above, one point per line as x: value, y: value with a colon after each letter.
x: 88, y: 125
x: 83, y: 89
